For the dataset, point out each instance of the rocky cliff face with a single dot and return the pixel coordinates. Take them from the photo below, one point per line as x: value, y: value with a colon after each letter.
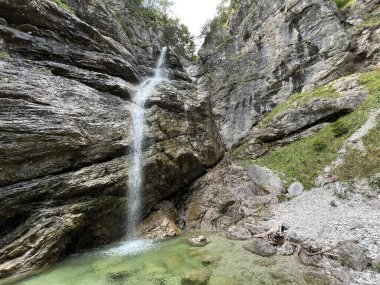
x: 274, y: 77
x: 295, y: 89
x: 68, y: 71
x: 270, y: 50
x: 269, y: 72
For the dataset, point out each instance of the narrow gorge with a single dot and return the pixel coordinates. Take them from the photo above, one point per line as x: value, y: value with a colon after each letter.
x: 128, y: 159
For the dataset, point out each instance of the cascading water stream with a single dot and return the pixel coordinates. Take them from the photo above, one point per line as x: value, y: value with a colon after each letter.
x: 135, y: 173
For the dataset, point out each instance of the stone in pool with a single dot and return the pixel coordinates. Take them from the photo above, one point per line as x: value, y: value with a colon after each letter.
x: 210, y: 259
x: 197, y: 277
x: 117, y: 277
x: 260, y: 247
x: 223, y: 280
x: 199, y: 241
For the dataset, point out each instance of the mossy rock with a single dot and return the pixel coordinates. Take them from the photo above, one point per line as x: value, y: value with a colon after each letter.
x: 210, y: 259
x: 197, y: 277
x: 223, y: 280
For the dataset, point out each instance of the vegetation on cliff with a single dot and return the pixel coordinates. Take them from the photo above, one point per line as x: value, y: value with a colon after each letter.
x: 303, y: 160
x: 157, y: 12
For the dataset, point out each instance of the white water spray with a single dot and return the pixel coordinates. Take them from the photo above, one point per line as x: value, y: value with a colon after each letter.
x: 135, y: 173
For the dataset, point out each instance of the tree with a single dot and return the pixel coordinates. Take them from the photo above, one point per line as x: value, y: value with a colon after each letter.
x: 175, y: 33
x: 164, y: 6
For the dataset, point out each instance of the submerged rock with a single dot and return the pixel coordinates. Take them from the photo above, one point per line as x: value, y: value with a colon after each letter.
x: 223, y: 280
x: 260, y: 247
x: 118, y: 277
x: 210, y: 259
x: 314, y: 277
x: 197, y: 277
x: 199, y: 241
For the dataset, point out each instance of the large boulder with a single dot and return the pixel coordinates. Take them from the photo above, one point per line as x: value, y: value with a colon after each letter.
x: 266, y: 179
x: 158, y: 225
x: 223, y: 197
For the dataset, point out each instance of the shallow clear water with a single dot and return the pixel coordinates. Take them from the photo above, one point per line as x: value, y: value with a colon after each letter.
x: 168, y: 262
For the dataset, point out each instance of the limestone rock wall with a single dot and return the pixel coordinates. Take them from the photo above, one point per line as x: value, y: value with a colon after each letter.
x: 67, y: 77
x: 271, y: 50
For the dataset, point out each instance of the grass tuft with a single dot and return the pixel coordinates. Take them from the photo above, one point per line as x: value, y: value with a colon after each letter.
x: 365, y: 165
x: 345, y: 4
x: 299, y: 100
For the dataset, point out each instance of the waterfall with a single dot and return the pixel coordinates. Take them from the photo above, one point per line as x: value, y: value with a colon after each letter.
x: 135, y: 173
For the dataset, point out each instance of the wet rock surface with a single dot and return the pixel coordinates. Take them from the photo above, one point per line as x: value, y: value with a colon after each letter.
x: 66, y: 87
x: 260, y: 247
x: 200, y: 241
x: 67, y: 80
x: 158, y: 225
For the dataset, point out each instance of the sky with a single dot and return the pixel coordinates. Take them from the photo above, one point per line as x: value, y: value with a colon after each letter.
x: 194, y: 13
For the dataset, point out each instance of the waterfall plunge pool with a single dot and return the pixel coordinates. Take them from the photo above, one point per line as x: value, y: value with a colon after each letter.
x: 169, y: 262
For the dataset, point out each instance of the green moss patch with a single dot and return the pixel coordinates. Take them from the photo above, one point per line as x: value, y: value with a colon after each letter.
x: 4, y: 55
x: 344, y: 4
x: 299, y: 100
x: 303, y: 160
x: 371, y: 19
x: 365, y: 165
x: 65, y: 6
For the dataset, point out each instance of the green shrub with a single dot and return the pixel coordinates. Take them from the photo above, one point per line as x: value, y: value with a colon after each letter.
x: 319, y: 145
x: 339, y: 128
x: 344, y: 3
x: 65, y: 6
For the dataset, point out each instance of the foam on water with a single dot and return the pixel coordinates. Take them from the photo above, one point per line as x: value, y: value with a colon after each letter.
x: 128, y: 248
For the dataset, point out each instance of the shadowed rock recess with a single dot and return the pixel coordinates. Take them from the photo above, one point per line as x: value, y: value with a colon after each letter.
x: 280, y: 92
x: 67, y: 77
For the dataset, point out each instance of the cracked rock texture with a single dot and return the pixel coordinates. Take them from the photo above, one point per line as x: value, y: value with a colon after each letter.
x: 67, y: 80
x: 271, y: 50
x: 66, y: 83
